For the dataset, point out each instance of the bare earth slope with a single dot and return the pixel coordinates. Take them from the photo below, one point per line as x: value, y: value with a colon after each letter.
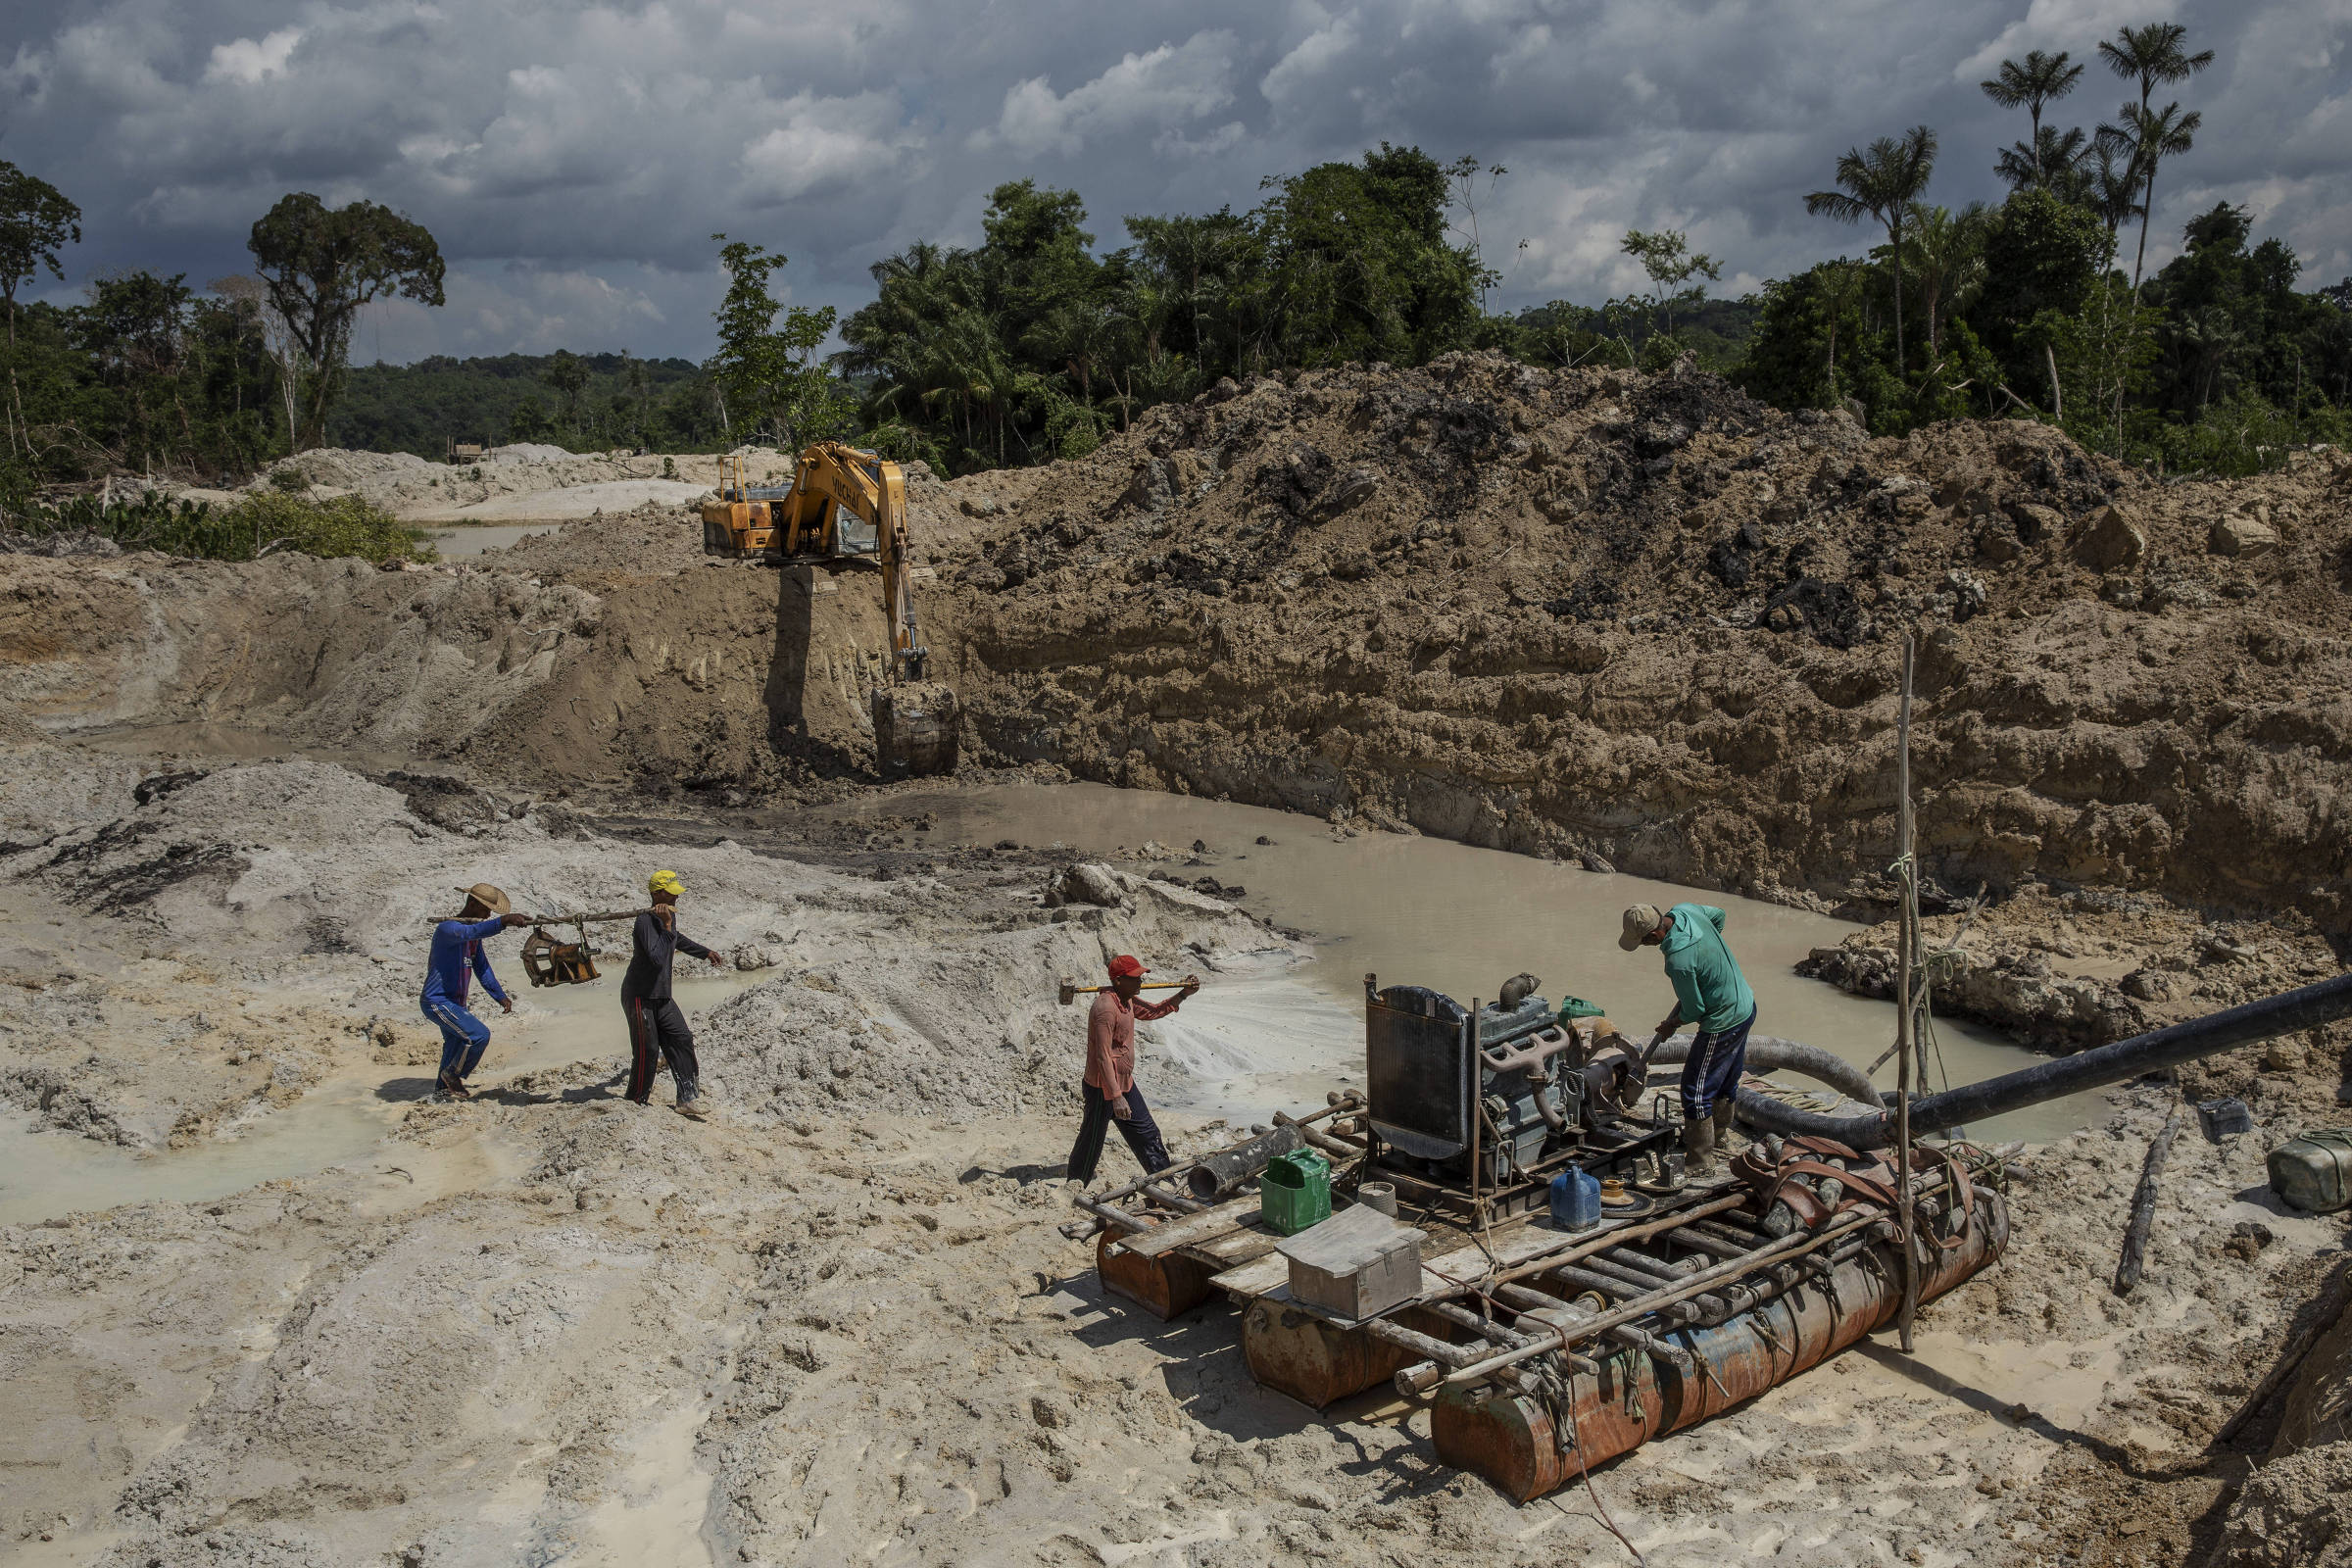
x: 1649, y: 620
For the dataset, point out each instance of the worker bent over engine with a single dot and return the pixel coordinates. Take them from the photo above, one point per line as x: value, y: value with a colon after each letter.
x: 1710, y: 992
x: 1108, y: 1091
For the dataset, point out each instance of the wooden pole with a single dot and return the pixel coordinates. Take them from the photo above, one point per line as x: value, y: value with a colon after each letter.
x: 2143, y: 1206
x: 1905, y: 1056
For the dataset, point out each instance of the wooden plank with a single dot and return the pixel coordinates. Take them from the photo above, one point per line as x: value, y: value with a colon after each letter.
x: 1194, y: 1228
x: 1260, y: 1277
x: 1234, y: 1248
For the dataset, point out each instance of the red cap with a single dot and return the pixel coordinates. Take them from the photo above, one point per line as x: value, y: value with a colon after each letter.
x: 1126, y: 965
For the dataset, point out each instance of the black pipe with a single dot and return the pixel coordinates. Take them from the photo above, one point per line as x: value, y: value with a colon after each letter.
x: 2288, y: 1012
x: 1220, y: 1175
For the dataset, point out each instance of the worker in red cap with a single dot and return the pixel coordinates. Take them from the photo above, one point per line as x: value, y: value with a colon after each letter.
x: 1110, y: 1089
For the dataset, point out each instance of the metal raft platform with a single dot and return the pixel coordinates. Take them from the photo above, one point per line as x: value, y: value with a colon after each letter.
x: 1546, y: 1351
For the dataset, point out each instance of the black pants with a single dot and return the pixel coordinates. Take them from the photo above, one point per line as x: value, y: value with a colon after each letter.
x: 1139, y: 1129
x: 656, y: 1032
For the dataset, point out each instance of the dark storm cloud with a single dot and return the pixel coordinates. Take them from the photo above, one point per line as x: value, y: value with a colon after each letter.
x: 574, y: 159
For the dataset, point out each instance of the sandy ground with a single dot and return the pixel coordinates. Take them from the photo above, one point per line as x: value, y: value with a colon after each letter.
x: 837, y: 1322
x: 264, y: 1302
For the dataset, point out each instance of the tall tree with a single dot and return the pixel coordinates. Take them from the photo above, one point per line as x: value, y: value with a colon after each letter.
x: 1882, y: 181
x: 1950, y: 257
x: 2151, y: 135
x: 1671, y: 262
x: 37, y: 223
x: 567, y: 379
x: 321, y: 265
x: 770, y: 379
x: 2039, y: 78
x: 2114, y: 184
x: 2151, y: 54
x: 2054, y: 162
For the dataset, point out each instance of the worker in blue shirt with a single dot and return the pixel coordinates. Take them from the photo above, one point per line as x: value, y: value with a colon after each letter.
x: 1709, y: 991
x: 457, y: 956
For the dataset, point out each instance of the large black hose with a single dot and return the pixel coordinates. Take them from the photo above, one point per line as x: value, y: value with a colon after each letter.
x: 1766, y: 1053
x: 2287, y: 1013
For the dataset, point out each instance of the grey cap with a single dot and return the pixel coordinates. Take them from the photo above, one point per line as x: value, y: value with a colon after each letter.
x: 1640, y: 921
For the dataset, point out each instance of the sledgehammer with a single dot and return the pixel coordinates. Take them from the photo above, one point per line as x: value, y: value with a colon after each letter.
x: 1072, y: 990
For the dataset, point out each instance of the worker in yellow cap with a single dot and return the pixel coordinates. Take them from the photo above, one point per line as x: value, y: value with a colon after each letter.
x: 657, y: 1028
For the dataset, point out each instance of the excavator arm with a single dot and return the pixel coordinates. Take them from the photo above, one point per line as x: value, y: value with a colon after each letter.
x: 845, y: 504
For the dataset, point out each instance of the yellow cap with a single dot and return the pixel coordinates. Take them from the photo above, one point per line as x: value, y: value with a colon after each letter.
x: 664, y: 882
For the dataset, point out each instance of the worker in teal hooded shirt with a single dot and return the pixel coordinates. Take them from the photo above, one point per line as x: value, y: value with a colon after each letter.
x: 1709, y: 991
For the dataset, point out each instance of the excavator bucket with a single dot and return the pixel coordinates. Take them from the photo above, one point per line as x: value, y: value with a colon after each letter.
x: 916, y: 729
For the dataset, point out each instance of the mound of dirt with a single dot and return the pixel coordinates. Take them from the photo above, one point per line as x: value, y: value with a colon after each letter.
x: 1647, y: 621
x: 971, y: 1029
x: 1638, y: 622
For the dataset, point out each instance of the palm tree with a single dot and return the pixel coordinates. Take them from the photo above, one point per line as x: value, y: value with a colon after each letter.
x: 1840, y: 288
x: 2151, y: 54
x: 2041, y: 78
x: 2113, y: 182
x: 2152, y: 136
x: 1882, y: 182
x: 1949, y: 255
x: 2053, y: 163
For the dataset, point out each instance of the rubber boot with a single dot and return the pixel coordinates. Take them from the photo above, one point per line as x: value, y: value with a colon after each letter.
x: 1698, y: 1147
x: 1724, y: 1113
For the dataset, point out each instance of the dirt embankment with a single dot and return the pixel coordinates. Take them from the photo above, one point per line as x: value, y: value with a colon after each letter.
x: 1639, y: 620
x: 1649, y: 622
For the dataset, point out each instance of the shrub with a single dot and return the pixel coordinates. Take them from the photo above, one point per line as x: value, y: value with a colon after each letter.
x: 347, y: 525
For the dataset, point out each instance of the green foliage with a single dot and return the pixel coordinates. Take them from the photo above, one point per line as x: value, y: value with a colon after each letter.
x: 661, y: 405
x: 1671, y: 262
x: 2041, y: 254
x: 1883, y: 182
x: 1033, y: 345
x: 320, y: 265
x: 263, y: 525
x: 770, y: 379
x: 344, y: 526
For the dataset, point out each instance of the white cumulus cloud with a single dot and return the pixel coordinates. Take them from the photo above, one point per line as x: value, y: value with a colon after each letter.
x: 249, y: 60
x: 1163, y: 87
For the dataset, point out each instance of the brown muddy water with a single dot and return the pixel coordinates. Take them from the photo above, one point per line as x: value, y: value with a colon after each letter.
x: 1428, y: 912
x: 338, y: 1121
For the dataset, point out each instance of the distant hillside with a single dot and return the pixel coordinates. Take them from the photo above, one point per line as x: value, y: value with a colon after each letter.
x: 588, y: 402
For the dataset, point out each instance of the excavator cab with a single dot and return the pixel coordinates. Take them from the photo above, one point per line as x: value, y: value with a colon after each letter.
x: 846, y: 504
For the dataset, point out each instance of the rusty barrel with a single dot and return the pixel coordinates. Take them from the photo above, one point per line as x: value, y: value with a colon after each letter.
x: 1166, y: 1286
x: 1314, y: 1361
x: 1510, y: 1438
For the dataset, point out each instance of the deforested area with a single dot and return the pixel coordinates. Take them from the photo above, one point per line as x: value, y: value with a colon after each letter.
x: 1340, y: 786
x: 1635, y: 625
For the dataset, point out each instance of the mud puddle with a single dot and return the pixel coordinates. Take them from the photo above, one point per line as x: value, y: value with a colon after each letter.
x: 339, y: 1121
x: 464, y: 542
x: 197, y: 741
x: 1430, y: 912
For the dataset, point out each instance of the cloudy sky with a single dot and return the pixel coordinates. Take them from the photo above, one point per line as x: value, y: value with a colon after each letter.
x: 573, y: 160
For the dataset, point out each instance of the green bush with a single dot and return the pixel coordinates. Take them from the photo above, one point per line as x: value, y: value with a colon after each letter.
x: 265, y: 523
x: 347, y: 525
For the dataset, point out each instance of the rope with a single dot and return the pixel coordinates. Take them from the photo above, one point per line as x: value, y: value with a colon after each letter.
x: 1558, y: 1398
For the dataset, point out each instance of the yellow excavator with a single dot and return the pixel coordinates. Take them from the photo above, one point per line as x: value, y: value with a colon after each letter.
x: 844, y: 506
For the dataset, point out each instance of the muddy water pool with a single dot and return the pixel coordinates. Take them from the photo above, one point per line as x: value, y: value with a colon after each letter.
x: 1428, y: 911
x: 340, y: 1120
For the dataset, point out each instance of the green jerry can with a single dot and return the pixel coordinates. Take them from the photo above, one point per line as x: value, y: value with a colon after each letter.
x: 2314, y: 1172
x: 1295, y: 1192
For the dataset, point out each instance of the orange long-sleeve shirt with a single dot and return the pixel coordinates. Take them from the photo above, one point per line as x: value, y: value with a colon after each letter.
x: 1111, y: 1039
